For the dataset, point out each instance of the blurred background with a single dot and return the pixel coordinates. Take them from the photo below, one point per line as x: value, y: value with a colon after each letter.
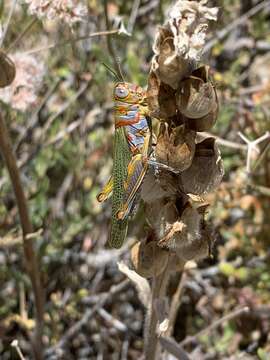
x: 59, y: 114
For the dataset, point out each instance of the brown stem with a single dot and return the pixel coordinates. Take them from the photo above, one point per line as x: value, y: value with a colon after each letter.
x: 28, y: 248
x: 159, y: 286
x: 67, y: 42
x: 176, y: 302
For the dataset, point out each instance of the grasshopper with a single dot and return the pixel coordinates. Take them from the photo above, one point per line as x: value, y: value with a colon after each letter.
x: 132, y: 146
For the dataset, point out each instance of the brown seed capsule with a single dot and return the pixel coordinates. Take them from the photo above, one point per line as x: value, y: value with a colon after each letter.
x: 160, y: 97
x: 204, y: 123
x: 7, y: 70
x: 195, y: 98
x: 175, y: 147
x: 167, y: 64
x: 206, y: 171
x: 148, y: 259
x: 184, y: 238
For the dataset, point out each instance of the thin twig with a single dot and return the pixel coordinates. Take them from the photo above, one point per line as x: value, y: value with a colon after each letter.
x: 133, y: 16
x: 171, y: 346
x: 176, y: 302
x: 71, y: 332
x: 32, y: 265
x: 159, y: 286
x: 15, y: 344
x: 11, y: 11
x: 261, y: 189
x: 34, y: 118
x: 224, y: 142
x: 238, y: 21
x: 215, y: 324
x: 252, y: 146
x: 22, y: 34
x: 117, y: 324
x: 67, y: 42
x: 109, y: 41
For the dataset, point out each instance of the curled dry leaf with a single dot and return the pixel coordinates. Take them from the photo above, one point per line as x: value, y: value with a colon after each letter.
x: 140, y: 283
x: 206, y: 171
x: 7, y: 70
x: 148, y: 259
x: 175, y: 147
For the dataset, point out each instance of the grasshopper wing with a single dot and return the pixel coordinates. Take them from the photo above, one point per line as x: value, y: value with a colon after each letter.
x: 122, y: 157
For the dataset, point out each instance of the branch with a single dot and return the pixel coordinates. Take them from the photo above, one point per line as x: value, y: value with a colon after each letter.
x: 67, y: 42
x: 238, y: 21
x: 215, y: 324
x: 32, y: 265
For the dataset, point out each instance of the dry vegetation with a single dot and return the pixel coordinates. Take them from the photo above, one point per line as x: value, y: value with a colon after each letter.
x: 56, y: 115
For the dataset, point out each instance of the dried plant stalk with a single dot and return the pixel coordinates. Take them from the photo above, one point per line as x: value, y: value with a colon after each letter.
x: 182, y: 97
x: 7, y: 76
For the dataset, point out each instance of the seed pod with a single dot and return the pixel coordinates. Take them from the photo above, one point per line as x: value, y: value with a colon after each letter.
x: 184, y: 238
x: 148, y: 259
x: 196, y: 98
x: 7, y: 70
x: 206, y: 171
x: 175, y: 147
x: 168, y: 64
x: 160, y: 98
x: 204, y: 123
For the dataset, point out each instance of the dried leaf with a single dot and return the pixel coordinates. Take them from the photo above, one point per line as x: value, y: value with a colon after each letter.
x: 141, y: 284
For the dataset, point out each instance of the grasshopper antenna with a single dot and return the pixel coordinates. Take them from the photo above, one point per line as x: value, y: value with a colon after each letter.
x: 112, y: 71
x: 119, y: 68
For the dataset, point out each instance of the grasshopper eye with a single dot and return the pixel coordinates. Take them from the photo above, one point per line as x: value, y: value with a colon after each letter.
x: 121, y: 92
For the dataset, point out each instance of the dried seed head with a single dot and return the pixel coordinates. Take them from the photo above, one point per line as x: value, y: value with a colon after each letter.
x: 179, y: 43
x: 175, y: 147
x: 206, y: 171
x: 188, y: 22
x: 169, y: 67
x: 185, y: 236
x: 148, y: 259
x: 7, y: 70
x: 162, y: 214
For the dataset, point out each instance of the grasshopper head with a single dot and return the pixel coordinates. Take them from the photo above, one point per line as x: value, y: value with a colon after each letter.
x: 128, y: 93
